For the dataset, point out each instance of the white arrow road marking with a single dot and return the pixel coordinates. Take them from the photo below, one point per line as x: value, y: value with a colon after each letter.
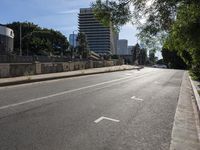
x: 137, y: 99
x: 106, y: 118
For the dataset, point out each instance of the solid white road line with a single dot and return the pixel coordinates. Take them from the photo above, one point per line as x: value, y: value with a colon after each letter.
x: 61, y: 93
x: 106, y: 118
x: 66, y: 92
x: 48, y: 81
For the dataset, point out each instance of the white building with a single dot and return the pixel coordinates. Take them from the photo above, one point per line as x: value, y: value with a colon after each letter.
x: 6, y: 40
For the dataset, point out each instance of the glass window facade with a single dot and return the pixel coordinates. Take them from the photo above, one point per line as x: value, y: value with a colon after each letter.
x: 100, y: 38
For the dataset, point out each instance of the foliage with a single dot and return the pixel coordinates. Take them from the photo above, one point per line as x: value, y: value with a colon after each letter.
x: 27, y: 28
x: 184, y: 36
x: 152, y: 17
x: 115, y: 57
x: 152, y: 57
x: 135, y: 52
x: 193, y: 76
x: 38, y: 41
x: 143, y: 56
x: 139, y: 55
x: 114, y: 13
x: 173, y: 60
x: 172, y: 23
x: 82, y: 45
x: 160, y: 62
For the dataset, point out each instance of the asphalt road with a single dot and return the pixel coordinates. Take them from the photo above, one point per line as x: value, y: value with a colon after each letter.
x: 137, y: 107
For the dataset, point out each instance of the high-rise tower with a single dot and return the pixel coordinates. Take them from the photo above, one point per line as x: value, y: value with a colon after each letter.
x: 101, y: 39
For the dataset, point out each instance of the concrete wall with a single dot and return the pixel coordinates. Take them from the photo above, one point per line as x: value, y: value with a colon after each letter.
x: 4, y: 70
x: 23, y: 69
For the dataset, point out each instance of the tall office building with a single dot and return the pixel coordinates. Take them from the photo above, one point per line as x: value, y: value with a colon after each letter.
x: 101, y: 39
x: 73, y: 40
x: 122, y: 48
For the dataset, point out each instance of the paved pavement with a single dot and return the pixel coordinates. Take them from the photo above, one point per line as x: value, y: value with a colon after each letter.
x: 128, y: 110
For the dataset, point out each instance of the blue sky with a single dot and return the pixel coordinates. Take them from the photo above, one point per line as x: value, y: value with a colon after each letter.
x: 57, y: 14
x: 61, y: 15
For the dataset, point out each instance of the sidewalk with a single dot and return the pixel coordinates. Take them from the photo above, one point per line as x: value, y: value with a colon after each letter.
x: 43, y: 77
x: 185, y: 134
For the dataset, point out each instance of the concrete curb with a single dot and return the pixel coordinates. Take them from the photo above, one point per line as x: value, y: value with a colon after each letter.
x: 185, y: 131
x: 197, y: 97
x: 52, y: 76
x: 197, y: 105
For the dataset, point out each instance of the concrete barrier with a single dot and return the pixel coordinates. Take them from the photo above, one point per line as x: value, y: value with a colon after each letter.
x: 196, y: 95
x: 51, y: 76
x: 24, y: 69
x: 4, y: 70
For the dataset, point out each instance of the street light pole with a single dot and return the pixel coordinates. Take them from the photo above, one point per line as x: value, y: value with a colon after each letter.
x: 73, y: 45
x: 20, y: 39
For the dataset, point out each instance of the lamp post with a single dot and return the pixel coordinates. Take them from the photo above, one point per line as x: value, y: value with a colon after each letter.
x: 73, y: 45
x: 20, y: 39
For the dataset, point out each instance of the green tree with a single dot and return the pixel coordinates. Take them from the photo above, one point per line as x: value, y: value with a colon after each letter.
x: 38, y: 41
x: 143, y: 56
x: 115, y: 57
x: 136, y: 53
x: 172, y: 23
x: 82, y: 45
x: 26, y: 27
x: 152, y: 57
x: 184, y: 36
x: 173, y: 60
x: 139, y: 55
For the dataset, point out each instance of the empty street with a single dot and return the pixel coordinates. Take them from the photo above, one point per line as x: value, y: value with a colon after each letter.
x: 126, y: 110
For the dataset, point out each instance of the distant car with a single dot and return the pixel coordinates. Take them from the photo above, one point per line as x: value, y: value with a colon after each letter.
x: 155, y: 66
x: 164, y: 66
x: 160, y: 66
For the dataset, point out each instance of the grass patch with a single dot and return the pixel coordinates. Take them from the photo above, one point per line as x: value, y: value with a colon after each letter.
x: 193, y: 76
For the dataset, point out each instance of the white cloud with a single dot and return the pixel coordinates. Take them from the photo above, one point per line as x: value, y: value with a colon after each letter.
x: 73, y: 11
